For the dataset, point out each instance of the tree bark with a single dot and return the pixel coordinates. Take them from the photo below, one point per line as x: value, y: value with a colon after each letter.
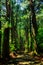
x: 34, y: 23
x: 6, y: 33
x: 6, y: 43
x: 27, y: 34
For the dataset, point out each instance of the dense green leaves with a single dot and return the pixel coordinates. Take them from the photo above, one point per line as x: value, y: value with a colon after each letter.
x: 18, y: 22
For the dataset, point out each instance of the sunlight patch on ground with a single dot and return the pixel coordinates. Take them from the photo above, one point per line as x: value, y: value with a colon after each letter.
x: 23, y: 63
x: 20, y: 56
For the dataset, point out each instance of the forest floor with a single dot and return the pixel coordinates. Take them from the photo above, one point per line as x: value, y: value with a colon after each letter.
x: 25, y: 59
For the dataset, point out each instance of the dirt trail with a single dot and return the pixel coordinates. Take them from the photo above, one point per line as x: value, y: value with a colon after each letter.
x: 25, y: 60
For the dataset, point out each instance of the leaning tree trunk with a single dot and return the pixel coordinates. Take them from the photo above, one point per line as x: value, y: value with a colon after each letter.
x: 6, y: 33
x: 34, y: 23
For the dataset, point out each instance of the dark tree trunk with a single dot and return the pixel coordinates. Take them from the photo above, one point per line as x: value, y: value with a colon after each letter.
x: 21, y: 44
x: 12, y: 28
x: 33, y: 17
x: 34, y: 23
x: 16, y: 35
x: 31, y: 33
x: 6, y: 33
x: 6, y: 43
x: 27, y: 34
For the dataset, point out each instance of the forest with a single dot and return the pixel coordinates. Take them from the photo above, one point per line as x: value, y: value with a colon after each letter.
x: 21, y: 32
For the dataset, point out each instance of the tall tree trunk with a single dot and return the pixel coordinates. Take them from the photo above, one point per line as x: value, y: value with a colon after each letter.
x: 16, y: 33
x: 34, y: 23
x: 27, y: 34
x: 31, y: 32
x: 21, y: 45
x: 6, y: 43
x: 6, y: 33
x: 12, y: 28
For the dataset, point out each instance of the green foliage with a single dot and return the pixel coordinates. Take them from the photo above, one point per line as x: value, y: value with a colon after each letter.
x: 21, y: 21
x: 40, y: 35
